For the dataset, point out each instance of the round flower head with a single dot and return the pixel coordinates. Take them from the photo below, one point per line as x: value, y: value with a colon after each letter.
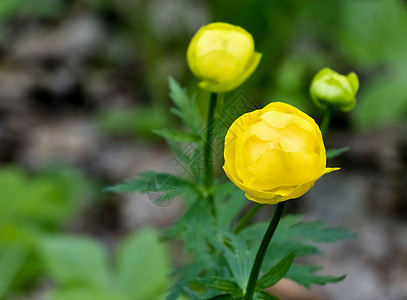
x: 222, y: 56
x: 275, y: 154
x: 330, y: 88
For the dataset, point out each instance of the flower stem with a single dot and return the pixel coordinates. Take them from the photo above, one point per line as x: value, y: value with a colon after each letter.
x: 327, y: 119
x: 208, y: 164
x: 248, y: 217
x: 254, y: 274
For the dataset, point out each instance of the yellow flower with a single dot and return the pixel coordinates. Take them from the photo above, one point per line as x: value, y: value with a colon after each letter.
x: 330, y: 88
x: 275, y: 154
x: 222, y: 56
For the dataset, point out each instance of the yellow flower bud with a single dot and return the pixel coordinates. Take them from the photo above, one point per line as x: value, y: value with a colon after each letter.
x: 275, y: 154
x: 330, y: 88
x: 222, y: 56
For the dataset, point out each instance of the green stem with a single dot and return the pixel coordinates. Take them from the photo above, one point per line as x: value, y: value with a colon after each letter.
x: 327, y: 119
x: 248, y: 217
x: 254, y: 274
x: 208, y: 164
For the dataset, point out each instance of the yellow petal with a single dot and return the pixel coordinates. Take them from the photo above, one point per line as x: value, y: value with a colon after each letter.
x: 279, y: 168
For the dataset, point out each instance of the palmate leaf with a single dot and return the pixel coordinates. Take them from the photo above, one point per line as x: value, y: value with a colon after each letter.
x: 294, y: 235
x: 304, y: 275
x: 186, y: 108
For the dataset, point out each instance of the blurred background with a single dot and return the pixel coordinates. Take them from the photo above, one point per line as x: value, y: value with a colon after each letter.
x: 83, y: 83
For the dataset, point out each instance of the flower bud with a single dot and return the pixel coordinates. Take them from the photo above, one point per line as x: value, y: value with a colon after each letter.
x: 330, y: 88
x: 222, y: 56
x: 275, y: 154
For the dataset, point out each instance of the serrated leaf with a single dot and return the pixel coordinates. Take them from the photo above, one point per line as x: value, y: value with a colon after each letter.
x: 143, y: 266
x: 304, y: 275
x: 186, y: 108
x: 275, y: 273
x: 336, y: 152
x: 72, y: 260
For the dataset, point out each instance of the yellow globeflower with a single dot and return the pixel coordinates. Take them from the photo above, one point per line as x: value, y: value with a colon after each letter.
x: 275, y: 154
x: 222, y: 56
x: 331, y: 88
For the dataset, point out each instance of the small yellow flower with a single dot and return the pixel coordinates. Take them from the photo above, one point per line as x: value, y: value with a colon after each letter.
x: 275, y: 154
x: 222, y: 56
x: 330, y: 88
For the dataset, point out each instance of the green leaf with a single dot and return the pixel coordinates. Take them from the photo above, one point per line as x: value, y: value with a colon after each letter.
x: 143, y: 266
x: 221, y: 284
x: 12, y: 258
x: 304, y: 275
x: 293, y: 235
x: 84, y: 294
x: 374, y: 110
x: 240, y: 260
x: 9, y: 8
x: 186, y: 274
x: 72, y: 260
x: 152, y: 182
x: 336, y: 152
x: 229, y: 201
x: 186, y: 109
x: 222, y: 297
x: 178, y: 136
x: 265, y: 296
x: 134, y: 121
x: 315, y: 231
x: 275, y: 273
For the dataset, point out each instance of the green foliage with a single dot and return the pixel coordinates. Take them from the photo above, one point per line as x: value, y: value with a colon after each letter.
x: 186, y: 108
x: 383, y: 101
x: 75, y: 261
x: 336, y: 152
x: 142, y: 261
x: 81, y: 268
x: 304, y: 275
x: 132, y: 121
x: 32, y: 206
x: 160, y: 186
x: 219, y: 259
x: 292, y: 234
x: 49, y: 9
x: 276, y: 272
